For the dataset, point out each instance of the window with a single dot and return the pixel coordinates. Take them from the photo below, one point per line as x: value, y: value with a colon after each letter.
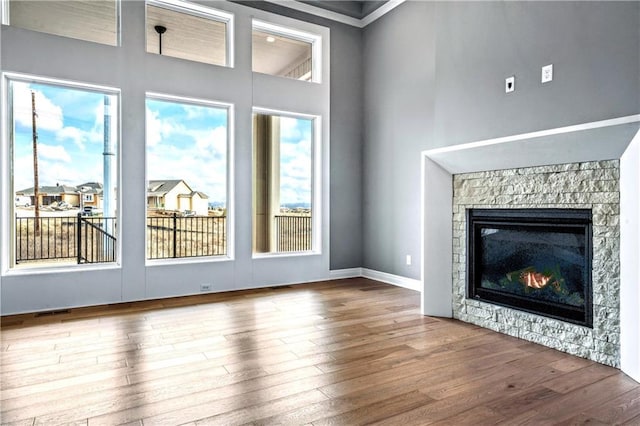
x: 187, y: 157
x: 285, y: 52
x: 283, y: 210
x: 63, y: 138
x: 87, y: 198
x: 91, y: 20
x: 189, y: 31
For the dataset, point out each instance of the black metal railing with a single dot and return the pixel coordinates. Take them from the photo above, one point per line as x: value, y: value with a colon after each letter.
x: 293, y: 233
x: 191, y: 236
x: 83, y: 239
x: 96, y: 241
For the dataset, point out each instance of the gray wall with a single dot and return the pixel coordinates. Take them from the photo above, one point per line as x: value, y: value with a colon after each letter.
x: 434, y: 76
x: 399, y: 59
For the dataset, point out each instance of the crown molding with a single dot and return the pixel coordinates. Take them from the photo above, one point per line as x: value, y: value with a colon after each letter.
x: 339, y: 17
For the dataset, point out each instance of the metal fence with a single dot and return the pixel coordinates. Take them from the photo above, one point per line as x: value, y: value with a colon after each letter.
x: 191, y: 236
x: 83, y: 239
x: 293, y: 233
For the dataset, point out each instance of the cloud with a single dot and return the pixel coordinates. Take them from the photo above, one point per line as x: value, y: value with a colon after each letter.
x: 289, y: 128
x: 77, y: 136
x: 49, y: 116
x: 214, y: 141
x: 53, y: 152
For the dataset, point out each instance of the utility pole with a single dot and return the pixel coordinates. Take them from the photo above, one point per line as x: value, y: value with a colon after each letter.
x: 36, y: 194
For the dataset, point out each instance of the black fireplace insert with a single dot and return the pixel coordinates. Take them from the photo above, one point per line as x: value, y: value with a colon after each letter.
x: 535, y: 260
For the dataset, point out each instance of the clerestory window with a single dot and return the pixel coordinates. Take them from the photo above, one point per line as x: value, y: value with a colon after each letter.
x: 90, y: 20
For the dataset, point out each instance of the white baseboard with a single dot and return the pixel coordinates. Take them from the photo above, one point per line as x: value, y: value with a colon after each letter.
x: 384, y: 277
x: 397, y: 280
x: 339, y: 274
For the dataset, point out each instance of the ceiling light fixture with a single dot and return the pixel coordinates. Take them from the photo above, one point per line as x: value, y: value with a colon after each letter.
x: 160, y: 29
x: 271, y: 39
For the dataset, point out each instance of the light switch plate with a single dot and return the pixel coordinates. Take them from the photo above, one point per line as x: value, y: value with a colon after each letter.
x: 547, y: 73
x: 510, y: 84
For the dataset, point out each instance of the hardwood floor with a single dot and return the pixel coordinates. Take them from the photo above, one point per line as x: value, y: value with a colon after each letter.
x: 342, y: 352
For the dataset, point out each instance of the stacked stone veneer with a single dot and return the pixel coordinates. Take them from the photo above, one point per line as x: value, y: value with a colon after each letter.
x: 593, y: 185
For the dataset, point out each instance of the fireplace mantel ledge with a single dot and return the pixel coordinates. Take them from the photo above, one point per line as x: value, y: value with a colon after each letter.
x: 612, y: 139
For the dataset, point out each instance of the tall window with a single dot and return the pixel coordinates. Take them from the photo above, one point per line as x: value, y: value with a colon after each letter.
x: 285, y: 52
x: 91, y: 20
x: 190, y: 31
x: 64, y: 147
x: 187, y: 157
x: 282, y: 183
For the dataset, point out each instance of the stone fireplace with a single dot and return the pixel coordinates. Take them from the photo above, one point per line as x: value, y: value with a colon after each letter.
x: 559, y: 204
x: 591, y: 168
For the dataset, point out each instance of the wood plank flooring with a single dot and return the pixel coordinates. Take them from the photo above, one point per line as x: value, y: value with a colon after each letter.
x: 342, y: 352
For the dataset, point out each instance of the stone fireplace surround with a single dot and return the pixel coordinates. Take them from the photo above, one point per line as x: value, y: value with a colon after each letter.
x: 566, y: 156
x: 591, y: 185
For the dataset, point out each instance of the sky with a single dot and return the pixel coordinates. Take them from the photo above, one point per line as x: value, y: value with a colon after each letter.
x: 184, y: 141
x: 295, y: 161
x: 188, y: 142
x: 69, y: 125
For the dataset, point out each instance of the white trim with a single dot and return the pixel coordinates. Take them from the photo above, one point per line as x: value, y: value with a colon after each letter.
x: 4, y: 12
x: 317, y: 11
x: 338, y: 274
x: 629, y: 265
x: 380, y: 12
x: 339, y: 17
x: 532, y: 135
x: 396, y: 280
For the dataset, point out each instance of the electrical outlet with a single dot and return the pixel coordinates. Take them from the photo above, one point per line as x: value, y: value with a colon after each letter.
x: 547, y: 73
x: 205, y: 287
x: 408, y: 259
x: 510, y: 84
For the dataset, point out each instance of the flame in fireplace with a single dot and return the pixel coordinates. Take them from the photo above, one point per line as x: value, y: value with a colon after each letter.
x: 534, y: 279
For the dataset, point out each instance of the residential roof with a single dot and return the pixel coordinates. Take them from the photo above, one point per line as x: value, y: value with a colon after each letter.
x: 58, y: 189
x: 160, y: 188
x: 193, y: 193
x: 90, y: 188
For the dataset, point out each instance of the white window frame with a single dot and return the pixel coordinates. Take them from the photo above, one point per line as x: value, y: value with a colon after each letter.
x: 314, y: 39
x: 229, y: 174
x: 7, y: 262
x: 195, y: 9
x: 316, y: 182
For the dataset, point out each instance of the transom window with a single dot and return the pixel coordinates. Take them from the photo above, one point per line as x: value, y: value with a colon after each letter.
x: 285, y: 52
x: 90, y: 20
x: 189, y: 31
